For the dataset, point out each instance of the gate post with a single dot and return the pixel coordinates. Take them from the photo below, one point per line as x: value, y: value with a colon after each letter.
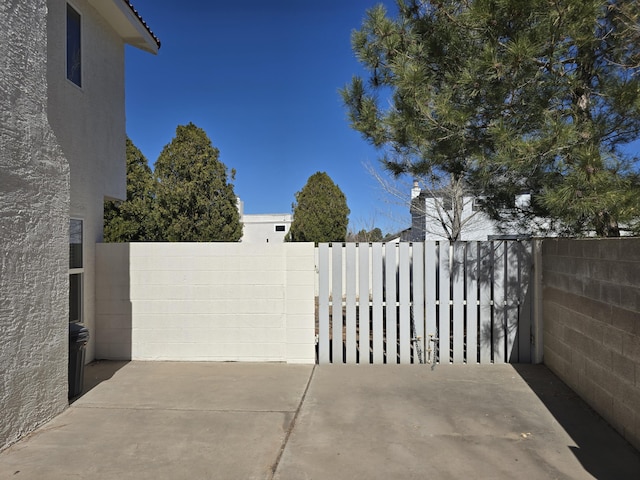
x: 537, y: 321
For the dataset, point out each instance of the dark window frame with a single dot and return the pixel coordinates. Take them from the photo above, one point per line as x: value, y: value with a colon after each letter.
x: 76, y: 270
x: 74, y: 46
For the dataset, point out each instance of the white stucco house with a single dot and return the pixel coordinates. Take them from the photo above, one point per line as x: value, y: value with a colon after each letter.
x: 264, y: 227
x: 62, y: 153
x: 429, y: 210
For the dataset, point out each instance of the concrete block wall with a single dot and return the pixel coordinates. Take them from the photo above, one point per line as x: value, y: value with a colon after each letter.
x: 205, y: 302
x: 591, y: 312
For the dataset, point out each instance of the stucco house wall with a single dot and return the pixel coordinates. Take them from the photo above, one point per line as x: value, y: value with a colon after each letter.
x: 265, y: 228
x: 62, y: 151
x: 34, y: 216
x: 89, y: 122
x: 478, y: 226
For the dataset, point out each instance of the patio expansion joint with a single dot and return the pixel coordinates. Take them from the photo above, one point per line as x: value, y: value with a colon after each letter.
x: 175, y: 409
x: 285, y: 441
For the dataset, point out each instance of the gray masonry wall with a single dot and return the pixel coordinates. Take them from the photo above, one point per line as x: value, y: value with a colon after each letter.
x: 34, y: 229
x: 591, y: 311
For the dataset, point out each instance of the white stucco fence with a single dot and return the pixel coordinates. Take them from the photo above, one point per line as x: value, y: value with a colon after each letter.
x: 205, y: 302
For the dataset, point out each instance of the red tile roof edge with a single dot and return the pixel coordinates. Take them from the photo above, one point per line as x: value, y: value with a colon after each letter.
x: 135, y: 12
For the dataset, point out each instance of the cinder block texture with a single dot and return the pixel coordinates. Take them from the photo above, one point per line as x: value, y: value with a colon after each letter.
x: 206, y: 302
x: 34, y: 206
x: 591, y: 311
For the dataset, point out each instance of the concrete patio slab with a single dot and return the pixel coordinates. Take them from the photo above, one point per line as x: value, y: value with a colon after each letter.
x: 480, y: 422
x: 99, y: 443
x: 202, y: 386
x: 167, y: 420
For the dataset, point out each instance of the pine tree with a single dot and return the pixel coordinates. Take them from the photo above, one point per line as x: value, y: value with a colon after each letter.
x: 509, y: 96
x: 320, y: 212
x: 131, y: 220
x: 195, y: 202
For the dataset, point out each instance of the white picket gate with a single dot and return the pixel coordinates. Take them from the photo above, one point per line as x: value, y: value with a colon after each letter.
x: 463, y: 302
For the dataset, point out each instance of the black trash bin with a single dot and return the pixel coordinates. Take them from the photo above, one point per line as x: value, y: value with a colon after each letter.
x: 78, y: 338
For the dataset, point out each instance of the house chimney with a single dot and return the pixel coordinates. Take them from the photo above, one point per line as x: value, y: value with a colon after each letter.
x: 415, y: 191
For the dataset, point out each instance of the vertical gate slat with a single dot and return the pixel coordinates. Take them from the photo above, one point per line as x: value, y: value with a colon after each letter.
x: 323, y: 303
x: 418, y: 298
x: 376, y: 285
x: 524, y: 310
x: 457, y: 279
x: 350, y: 289
x: 444, y: 317
x: 336, y: 308
x: 512, y: 284
x: 499, y: 305
x: 485, y: 279
x: 390, y: 275
x: 474, y: 296
x: 430, y: 271
x: 404, y: 297
x: 363, y: 302
x: 471, y: 262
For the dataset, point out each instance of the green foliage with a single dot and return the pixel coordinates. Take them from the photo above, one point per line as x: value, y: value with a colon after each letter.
x: 320, y: 212
x: 194, y: 200
x: 367, y: 236
x: 509, y: 96
x: 130, y: 220
x: 188, y: 198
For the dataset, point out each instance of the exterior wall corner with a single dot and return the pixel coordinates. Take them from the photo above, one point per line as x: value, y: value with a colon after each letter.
x: 34, y: 215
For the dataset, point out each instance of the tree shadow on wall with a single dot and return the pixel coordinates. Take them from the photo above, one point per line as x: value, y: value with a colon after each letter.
x: 504, y: 273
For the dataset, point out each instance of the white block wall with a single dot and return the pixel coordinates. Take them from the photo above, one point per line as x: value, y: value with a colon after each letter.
x: 205, y: 302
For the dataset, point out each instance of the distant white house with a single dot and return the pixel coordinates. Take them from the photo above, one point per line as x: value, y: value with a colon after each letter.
x: 431, y: 212
x: 264, y: 227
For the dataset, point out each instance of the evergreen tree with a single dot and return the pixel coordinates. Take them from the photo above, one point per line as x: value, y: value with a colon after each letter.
x: 194, y: 200
x: 509, y: 96
x: 320, y: 212
x: 131, y: 220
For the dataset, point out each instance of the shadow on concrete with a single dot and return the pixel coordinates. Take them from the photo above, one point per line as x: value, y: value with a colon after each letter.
x: 97, y: 372
x: 603, y: 452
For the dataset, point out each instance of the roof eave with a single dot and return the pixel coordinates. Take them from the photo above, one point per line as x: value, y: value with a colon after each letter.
x: 127, y: 23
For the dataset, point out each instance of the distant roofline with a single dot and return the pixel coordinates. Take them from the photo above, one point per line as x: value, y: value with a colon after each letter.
x: 266, y: 214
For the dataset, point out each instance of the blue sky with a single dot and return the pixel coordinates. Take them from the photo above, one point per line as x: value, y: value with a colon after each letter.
x: 262, y: 79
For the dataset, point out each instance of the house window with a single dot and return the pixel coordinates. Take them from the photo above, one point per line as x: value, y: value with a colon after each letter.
x: 280, y: 228
x: 76, y: 270
x: 447, y: 203
x: 74, y: 71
